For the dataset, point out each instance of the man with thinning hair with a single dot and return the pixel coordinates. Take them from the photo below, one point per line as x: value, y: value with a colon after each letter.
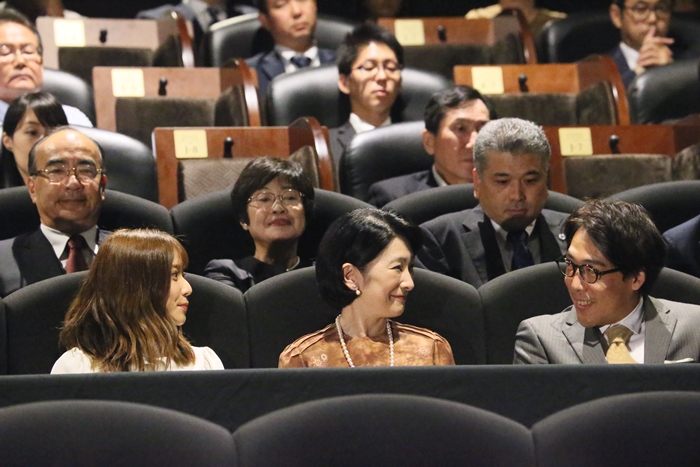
x: 509, y: 229
x: 614, y: 256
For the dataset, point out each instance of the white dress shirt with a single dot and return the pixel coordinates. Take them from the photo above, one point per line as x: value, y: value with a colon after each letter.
x: 59, y: 240
x: 631, y: 55
x: 287, y: 54
x: 362, y: 126
x: 635, y: 322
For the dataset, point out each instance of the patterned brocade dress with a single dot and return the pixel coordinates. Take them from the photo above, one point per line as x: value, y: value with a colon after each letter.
x: 413, y: 346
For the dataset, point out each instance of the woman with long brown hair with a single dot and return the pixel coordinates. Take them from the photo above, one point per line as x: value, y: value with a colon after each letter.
x: 128, y: 313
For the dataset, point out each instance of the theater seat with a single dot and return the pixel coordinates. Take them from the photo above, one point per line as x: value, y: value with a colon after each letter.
x: 82, y: 433
x: 377, y: 429
x: 288, y: 306
x: 216, y: 318
x: 314, y: 92
x: 70, y: 90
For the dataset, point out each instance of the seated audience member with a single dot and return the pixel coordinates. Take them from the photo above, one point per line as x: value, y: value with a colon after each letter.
x: 614, y: 256
x: 21, y: 68
x: 453, y: 117
x: 28, y: 119
x: 683, y: 243
x: 364, y: 270
x: 32, y: 9
x: 292, y: 24
x: 67, y: 183
x: 375, y: 9
x: 370, y: 60
x: 644, y: 30
x: 509, y: 229
x: 129, y: 312
x: 536, y: 17
x: 273, y: 201
x: 202, y: 13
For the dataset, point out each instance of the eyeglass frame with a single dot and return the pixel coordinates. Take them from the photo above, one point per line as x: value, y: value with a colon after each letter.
x: 44, y: 173
x: 649, y: 9
x: 579, y: 268
x: 377, y: 66
x: 35, y: 56
x: 277, y: 198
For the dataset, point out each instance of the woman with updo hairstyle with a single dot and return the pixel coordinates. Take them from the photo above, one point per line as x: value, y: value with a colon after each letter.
x: 273, y: 201
x: 364, y: 269
x: 27, y: 120
x: 129, y: 312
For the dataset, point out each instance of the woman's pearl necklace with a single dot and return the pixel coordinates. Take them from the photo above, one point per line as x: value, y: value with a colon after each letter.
x: 345, y: 347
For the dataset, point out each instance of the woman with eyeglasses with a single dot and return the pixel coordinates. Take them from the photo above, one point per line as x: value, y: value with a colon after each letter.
x: 273, y: 201
x: 27, y: 120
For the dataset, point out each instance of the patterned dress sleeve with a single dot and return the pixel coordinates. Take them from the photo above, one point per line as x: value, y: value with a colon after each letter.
x: 291, y: 358
x: 443, y: 352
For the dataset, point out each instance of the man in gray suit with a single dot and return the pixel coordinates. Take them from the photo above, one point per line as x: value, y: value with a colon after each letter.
x: 614, y: 256
x: 509, y: 229
x: 67, y: 185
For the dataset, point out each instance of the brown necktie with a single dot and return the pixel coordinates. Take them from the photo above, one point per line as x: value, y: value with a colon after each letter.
x: 618, y: 337
x: 76, y: 260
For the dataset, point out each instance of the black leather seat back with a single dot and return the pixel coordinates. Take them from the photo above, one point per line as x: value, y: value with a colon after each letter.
x: 70, y: 90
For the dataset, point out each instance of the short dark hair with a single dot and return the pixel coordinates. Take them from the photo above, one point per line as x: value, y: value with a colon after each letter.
x: 625, y: 234
x: 261, y: 171
x: 359, y: 38
x: 10, y: 15
x: 261, y: 5
x: 45, y: 106
x: 31, y: 165
x: 451, y: 98
x: 358, y: 237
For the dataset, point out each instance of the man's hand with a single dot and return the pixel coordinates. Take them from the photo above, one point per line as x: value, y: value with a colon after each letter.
x: 655, y: 51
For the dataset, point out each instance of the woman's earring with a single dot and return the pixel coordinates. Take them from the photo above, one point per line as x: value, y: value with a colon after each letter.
x: 358, y: 292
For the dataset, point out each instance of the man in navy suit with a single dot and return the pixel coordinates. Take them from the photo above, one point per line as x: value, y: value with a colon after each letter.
x: 292, y: 24
x: 67, y: 185
x: 643, y: 26
x: 453, y: 117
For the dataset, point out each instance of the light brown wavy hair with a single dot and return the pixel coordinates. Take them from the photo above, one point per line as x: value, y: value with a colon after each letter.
x: 119, y: 317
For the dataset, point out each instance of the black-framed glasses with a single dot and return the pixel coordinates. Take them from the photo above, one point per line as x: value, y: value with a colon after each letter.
x: 266, y: 199
x: 641, y: 10
x: 390, y: 67
x: 588, y: 273
x: 60, y: 173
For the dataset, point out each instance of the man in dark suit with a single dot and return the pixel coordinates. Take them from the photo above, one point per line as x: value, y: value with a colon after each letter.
x: 644, y: 29
x: 453, y: 117
x: 292, y: 24
x: 370, y: 60
x: 684, y: 247
x: 614, y: 256
x: 509, y: 229
x: 67, y: 185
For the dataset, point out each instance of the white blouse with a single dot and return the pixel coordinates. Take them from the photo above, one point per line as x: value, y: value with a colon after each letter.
x: 75, y: 361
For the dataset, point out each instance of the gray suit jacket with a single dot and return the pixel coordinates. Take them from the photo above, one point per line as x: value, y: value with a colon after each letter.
x: 29, y: 258
x: 672, y: 333
x: 463, y: 244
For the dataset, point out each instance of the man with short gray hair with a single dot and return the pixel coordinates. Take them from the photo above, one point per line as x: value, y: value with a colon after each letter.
x: 509, y: 229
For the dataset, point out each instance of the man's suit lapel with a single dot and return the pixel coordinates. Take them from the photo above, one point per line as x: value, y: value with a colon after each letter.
x: 326, y: 56
x: 658, y: 331
x: 549, y: 245
x: 271, y: 65
x: 35, y: 258
x: 482, y: 246
x: 583, y: 341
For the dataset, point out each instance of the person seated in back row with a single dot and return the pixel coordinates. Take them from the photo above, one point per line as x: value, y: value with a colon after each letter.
x: 453, y: 117
x: 536, y: 17
x: 23, y: 72
x: 370, y: 60
x: 614, y: 256
x: 292, y: 24
x: 509, y: 229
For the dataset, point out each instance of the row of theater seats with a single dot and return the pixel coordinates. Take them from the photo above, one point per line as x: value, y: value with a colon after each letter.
x: 209, y: 229
x: 391, y: 429
x: 250, y: 330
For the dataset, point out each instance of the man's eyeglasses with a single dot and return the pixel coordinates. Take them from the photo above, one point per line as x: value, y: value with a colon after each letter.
x: 30, y: 52
x: 641, y: 10
x: 390, y: 67
x: 265, y: 199
x: 588, y: 273
x: 60, y: 173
